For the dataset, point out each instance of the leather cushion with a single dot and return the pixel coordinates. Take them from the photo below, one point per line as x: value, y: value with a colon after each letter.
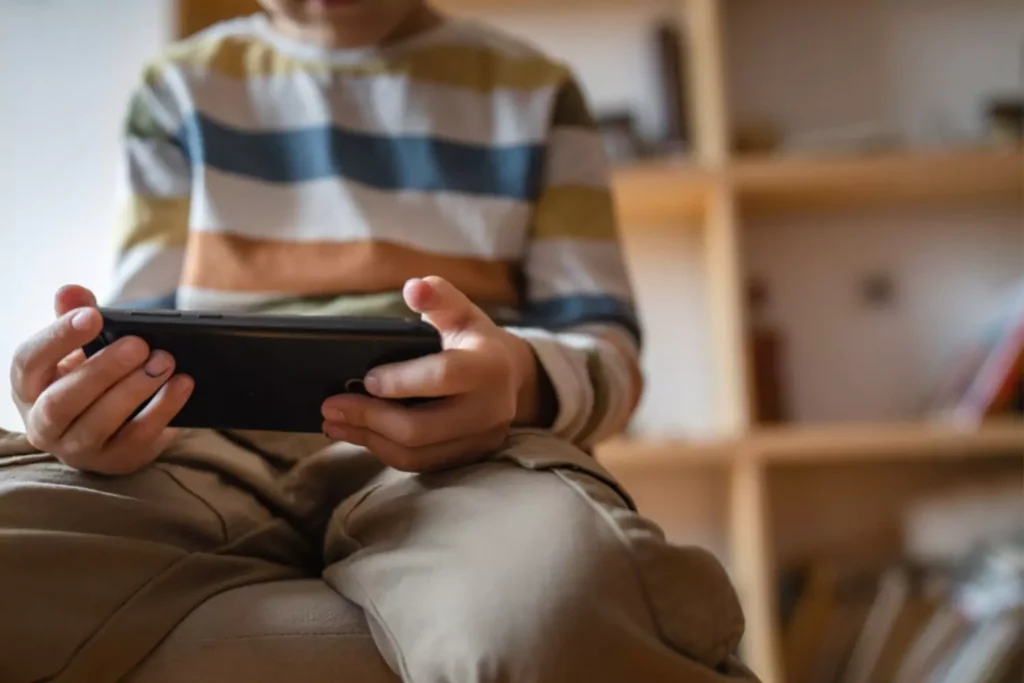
x: 297, y: 631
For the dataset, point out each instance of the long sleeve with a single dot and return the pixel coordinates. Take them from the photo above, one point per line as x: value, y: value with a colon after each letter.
x: 579, y: 314
x: 154, y: 200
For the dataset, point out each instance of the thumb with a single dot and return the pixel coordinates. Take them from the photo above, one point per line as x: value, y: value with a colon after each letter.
x: 70, y: 297
x: 442, y: 305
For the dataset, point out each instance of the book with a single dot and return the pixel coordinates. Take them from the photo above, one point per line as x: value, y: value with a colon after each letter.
x: 891, y: 598
x: 943, y: 634
x: 805, y: 632
x: 988, y: 653
x: 988, y: 376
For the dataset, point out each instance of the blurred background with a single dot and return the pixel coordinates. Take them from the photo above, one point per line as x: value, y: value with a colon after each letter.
x: 823, y: 206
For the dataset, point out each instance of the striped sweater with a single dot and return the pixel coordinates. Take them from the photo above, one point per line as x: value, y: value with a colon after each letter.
x: 267, y: 175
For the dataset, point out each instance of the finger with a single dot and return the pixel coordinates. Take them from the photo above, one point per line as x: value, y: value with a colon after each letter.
x: 145, y: 436
x: 69, y: 396
x: 70, y: 362
x: 448, y: 373
x: 442, y: 305
x: 98, y: 423
x: 431, y: 458
x: 420, y: 425
x: 70, y: 297
x: 35, y: 362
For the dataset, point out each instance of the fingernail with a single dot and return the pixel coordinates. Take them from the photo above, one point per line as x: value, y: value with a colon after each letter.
x: 80, y: 320
x: 131, y: 351
x: 372, y: 384
x: 332, y: 431
x: 183, y: 384
x: 158, y: 364
x: 334, y: 415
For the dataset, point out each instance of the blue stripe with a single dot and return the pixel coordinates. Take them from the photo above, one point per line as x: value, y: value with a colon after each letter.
x: 579, y: 310
x: 167, y: 302
x: 389, y: 163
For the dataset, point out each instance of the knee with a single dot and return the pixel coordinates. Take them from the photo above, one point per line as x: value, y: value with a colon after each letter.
x: 546, y: 587
x: 579, y: 572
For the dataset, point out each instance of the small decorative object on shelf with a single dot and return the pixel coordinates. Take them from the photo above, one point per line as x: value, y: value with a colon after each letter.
x: 756, y: 137
x: 768, y: 349
x: 1005, y: 118
x: 671, y: 61
x: 621, y: 140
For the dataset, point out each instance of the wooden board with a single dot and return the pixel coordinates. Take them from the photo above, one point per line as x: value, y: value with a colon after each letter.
x: 653, y: 192
x: 661, y: 192
x: 823, y: 444
x: 888, y: 179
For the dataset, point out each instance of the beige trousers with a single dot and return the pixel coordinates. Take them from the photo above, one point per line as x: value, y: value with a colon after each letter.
x: 530, y: 567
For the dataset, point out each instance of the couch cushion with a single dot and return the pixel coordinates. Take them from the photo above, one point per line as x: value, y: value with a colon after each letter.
x: 296, y: 631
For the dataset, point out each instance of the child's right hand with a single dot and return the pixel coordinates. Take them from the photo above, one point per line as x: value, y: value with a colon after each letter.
x: 76, y: 408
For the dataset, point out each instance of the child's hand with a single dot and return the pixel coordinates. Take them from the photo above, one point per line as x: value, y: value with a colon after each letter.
x: 484, y: 380
x: 76, y: 408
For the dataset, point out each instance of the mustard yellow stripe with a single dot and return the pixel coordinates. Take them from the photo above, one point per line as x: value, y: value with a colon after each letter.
x: 160, y: 221
x: 575, y: 212
x: 466, y: 66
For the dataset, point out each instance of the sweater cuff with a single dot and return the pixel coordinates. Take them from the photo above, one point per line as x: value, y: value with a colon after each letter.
x: 566, y: 367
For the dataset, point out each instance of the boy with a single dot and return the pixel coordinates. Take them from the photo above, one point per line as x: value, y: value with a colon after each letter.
x: 360, y: 157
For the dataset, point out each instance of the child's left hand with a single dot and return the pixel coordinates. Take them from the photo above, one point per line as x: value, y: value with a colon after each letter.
x: 484, y: 380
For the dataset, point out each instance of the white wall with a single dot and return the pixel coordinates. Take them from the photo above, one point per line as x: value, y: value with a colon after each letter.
x: 66, y: 70
x: 850, y: 361
x: 610, y: 47
x: 920, y: 68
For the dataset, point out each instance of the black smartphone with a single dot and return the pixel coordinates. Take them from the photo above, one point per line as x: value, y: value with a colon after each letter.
x: 269, y: 371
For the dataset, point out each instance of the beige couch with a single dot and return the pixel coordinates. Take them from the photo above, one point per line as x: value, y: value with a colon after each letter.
x: 295, y: 631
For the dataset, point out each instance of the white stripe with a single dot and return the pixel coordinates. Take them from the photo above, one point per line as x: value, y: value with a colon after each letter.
x: 576, y: 156
x: 157, y: 168
x: 564, y: 267
x: 199, y: 299
x: 615, y: 335
x: 337, y: 210
x: 386, y: 104
x: 147, y: 271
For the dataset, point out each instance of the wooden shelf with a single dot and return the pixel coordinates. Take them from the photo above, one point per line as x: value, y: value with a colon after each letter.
x: 823, y: 444
x: 889, y: 179
x: 659, y: 192
x: 665, y: 192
